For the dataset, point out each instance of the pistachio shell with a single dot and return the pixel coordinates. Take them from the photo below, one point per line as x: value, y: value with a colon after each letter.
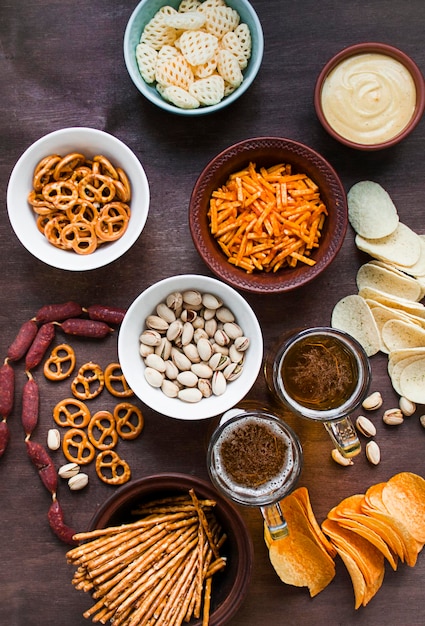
x: 218, y: 383
x: 154, y: 322
x: 156, y: 362
x: 205, y: 349
x: 170, y: 388
x: 190, y: 394
x: 192, y: 353
x: 68, y: 470
x: 187, y: 379
x: 223, y: 314
x: 211, y: 302
x: 174, y: 330
x: 232, y: 330
x: 174, y: 300
x: 79, y: 481
x: 150, y: 338
x: 164, y: 311
x: 204, y: 386
x: 202, y: 370
x: 153, y: 377
x: 192, y: 297
x: 180, y: 360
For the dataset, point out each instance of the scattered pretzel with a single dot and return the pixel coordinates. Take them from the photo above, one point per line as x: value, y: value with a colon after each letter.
x: 89, y: 381
x: 71, y: 412
x: 101, y: 431
x: 113, y: 374
x: 60, y: 363
x: 77, y: 448
x: 111, y: 468
x: 129, y: 420
x: 79, y: 190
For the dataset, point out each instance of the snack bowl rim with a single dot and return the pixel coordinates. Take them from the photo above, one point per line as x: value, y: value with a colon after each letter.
x: 370, y: 47
x: 133, y: 367
x: 138, y: 20
x: 88, y: 141
x: 239, y: 538
x: 269, y: 150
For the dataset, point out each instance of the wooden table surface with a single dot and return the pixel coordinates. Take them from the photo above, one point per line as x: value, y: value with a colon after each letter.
x: 61, y: 65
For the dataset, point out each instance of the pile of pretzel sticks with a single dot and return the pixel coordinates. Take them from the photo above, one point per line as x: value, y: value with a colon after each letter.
x: 156, y: 570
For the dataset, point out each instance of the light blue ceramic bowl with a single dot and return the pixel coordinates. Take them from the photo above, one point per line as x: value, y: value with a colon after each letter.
x: 141, y: 15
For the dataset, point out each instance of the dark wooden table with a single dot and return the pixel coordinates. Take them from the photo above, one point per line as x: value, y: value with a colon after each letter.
x: 61, y: 65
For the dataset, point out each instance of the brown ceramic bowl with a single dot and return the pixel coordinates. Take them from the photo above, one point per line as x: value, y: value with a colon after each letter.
x: 381, y: 49
x: 268, y: 151
x: 230, y: 586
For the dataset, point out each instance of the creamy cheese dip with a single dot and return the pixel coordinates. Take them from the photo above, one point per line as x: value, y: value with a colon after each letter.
x: 369, y: 98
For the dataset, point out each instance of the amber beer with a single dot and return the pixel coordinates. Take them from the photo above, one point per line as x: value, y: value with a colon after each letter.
x: 321, y: 374
x: 254, y: 458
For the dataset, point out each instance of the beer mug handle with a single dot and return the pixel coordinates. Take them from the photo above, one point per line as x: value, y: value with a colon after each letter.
x: 275, y: 521
x: 344, y: 436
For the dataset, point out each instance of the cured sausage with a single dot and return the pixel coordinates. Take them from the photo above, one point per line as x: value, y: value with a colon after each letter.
x: 30, y: 406
x: 107, y: 314
x: 58, y: 312
x: 4, y: 436
x: 39, y: 346
x: 42, y: 461
x: 57, y: 524
x: 86, y: 328
x: 19, y: 346
x: 7, y: 389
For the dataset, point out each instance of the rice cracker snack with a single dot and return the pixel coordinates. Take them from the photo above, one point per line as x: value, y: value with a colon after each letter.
x: 194, y: 55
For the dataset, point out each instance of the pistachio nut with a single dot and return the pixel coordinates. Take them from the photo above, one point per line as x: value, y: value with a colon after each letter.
x: 170, y: 388
x: 190, y: 394
x: 53, y: 439
x: 153, y: 377
x: 187, y: 379
x: 192, y: 297
x: 79, y: 481
x: 68, y: 470
x: 340, y: 459
x: 393, y: 417
x: 164, y: 311
x: 373, y: 452
x: 223, y: 314
x: 156, y: 362
x: 407, y: 407
x: 205, y: 349
x: 204, y: 386
x: 372, y: 402
x: 218, y: 383
x: 150, y: 338
x: 211, y: 302
x: 174, y: 300
x: 154, y: 322
x: 422, y: 420
x: 365, y: 426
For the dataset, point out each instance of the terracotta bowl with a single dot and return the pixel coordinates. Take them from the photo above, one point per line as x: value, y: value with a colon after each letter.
x: 393, y: 53
x: 230, y: 586
x: 268, y: 151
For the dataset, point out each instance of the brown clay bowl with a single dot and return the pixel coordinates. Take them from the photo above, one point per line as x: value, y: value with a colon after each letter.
x: 268, y: 151
x: 230, y: 586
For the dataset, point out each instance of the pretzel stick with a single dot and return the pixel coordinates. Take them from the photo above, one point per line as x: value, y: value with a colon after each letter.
x: 207, y: 602
x: 178, y: 591
x: 204, y: 523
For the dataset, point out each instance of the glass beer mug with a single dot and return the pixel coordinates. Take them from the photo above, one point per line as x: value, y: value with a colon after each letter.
x: 255, y: 459
x: 321, y: 374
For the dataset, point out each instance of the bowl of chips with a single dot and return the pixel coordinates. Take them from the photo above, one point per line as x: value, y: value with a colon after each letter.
x: 193, y: 57
x: 370, y: 96
x: 195, y: 512
x: 268, y: 215
x: 190, y: 347
x: 78, y: 198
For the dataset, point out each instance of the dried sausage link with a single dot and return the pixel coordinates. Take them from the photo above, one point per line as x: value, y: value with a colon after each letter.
x: 44, y: 464
x: 107, y: 314
x: 19, y: 346
x: 86, y: 328
x: 40, y: 345
x: 30, y: 405
x: 58, y: 312
x: 7, y: 389
x: 58, y: 526
x: 4, y: 436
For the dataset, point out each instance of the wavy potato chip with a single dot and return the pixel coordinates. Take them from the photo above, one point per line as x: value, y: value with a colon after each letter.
x: 371, y: 211
x: 402, y: 247
x: 352, y: 315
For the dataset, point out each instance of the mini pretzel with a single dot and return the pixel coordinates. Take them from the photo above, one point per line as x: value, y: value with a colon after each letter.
x: 97, y: 188
x: 71, y: 412
x: 89, y: 381
x: 77, y: 448
x: 44, y: 170
x: 65, y: 167
x: 39, y: 203
x: 112, y: 221
x: 113, y: 374
x: 82, y: 211
x: 101, y: 431
x: 53, y: 230
x: 106, y: 166
x: 129, y: 420
x: 63, y: 194
x: 60, y: 363
x: 80, y: 236
x: 111, y: 468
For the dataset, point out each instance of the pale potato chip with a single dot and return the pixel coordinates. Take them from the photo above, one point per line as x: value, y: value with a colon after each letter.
x: 412, y: 381
x: 402, y: 247
x: 401, y: 304
x: 228, y: 67
x: 352, y: 315
x: 187, y: 20
x: 383, y: 314
x: 399, y: 334
x: 221, y: 20
x: 198, y: 47
x: 146, y: 58
x: 371, y: 211
x: 390, y: 281
x: 208, y: 90
x: 418, y: 268
x: 180, y: 97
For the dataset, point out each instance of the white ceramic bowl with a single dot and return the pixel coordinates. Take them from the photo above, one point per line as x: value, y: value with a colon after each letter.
x: 133, y: 366
x: 141, y: 15
x: 90, y: 142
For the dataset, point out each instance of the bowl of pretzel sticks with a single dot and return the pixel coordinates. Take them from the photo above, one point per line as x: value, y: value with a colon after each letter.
x: 78, y: 198
x: 193, y: 57
x: 268, y: 215
x: 185, y: 549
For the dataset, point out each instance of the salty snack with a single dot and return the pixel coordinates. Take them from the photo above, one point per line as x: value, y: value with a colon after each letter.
x: 371, y: 211
x: 71, y: 412
x: 60, y: 363
x: 115, y: 381
x: 77, y: 447
x: 80, y: 203
x: 111, y: 468
x: 101, y: 430
x: 161, y: 564
x: 267, y: 218
x: 194, y: 55
x: 128, y: 419
x: 89, y: 381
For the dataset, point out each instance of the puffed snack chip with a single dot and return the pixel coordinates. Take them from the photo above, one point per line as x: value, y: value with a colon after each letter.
x: 180, y: 97
x: 208, y: 90
x: 198, y: 47
x: 146, y: 57
x: 156, y: 33
x: 175, y: 71
x: 221, y: 20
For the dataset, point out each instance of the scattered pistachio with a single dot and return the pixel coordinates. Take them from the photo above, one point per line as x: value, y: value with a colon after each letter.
x: 340, y: 459
x: 365, y: 426
x: 372, y: 402
x: 79, y: 481
x: 53, y: 439
x: 68, y: 470
x: 422, y: 420
x: 393, y: 417
x: 373, y: 453
x: 407, y: 407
